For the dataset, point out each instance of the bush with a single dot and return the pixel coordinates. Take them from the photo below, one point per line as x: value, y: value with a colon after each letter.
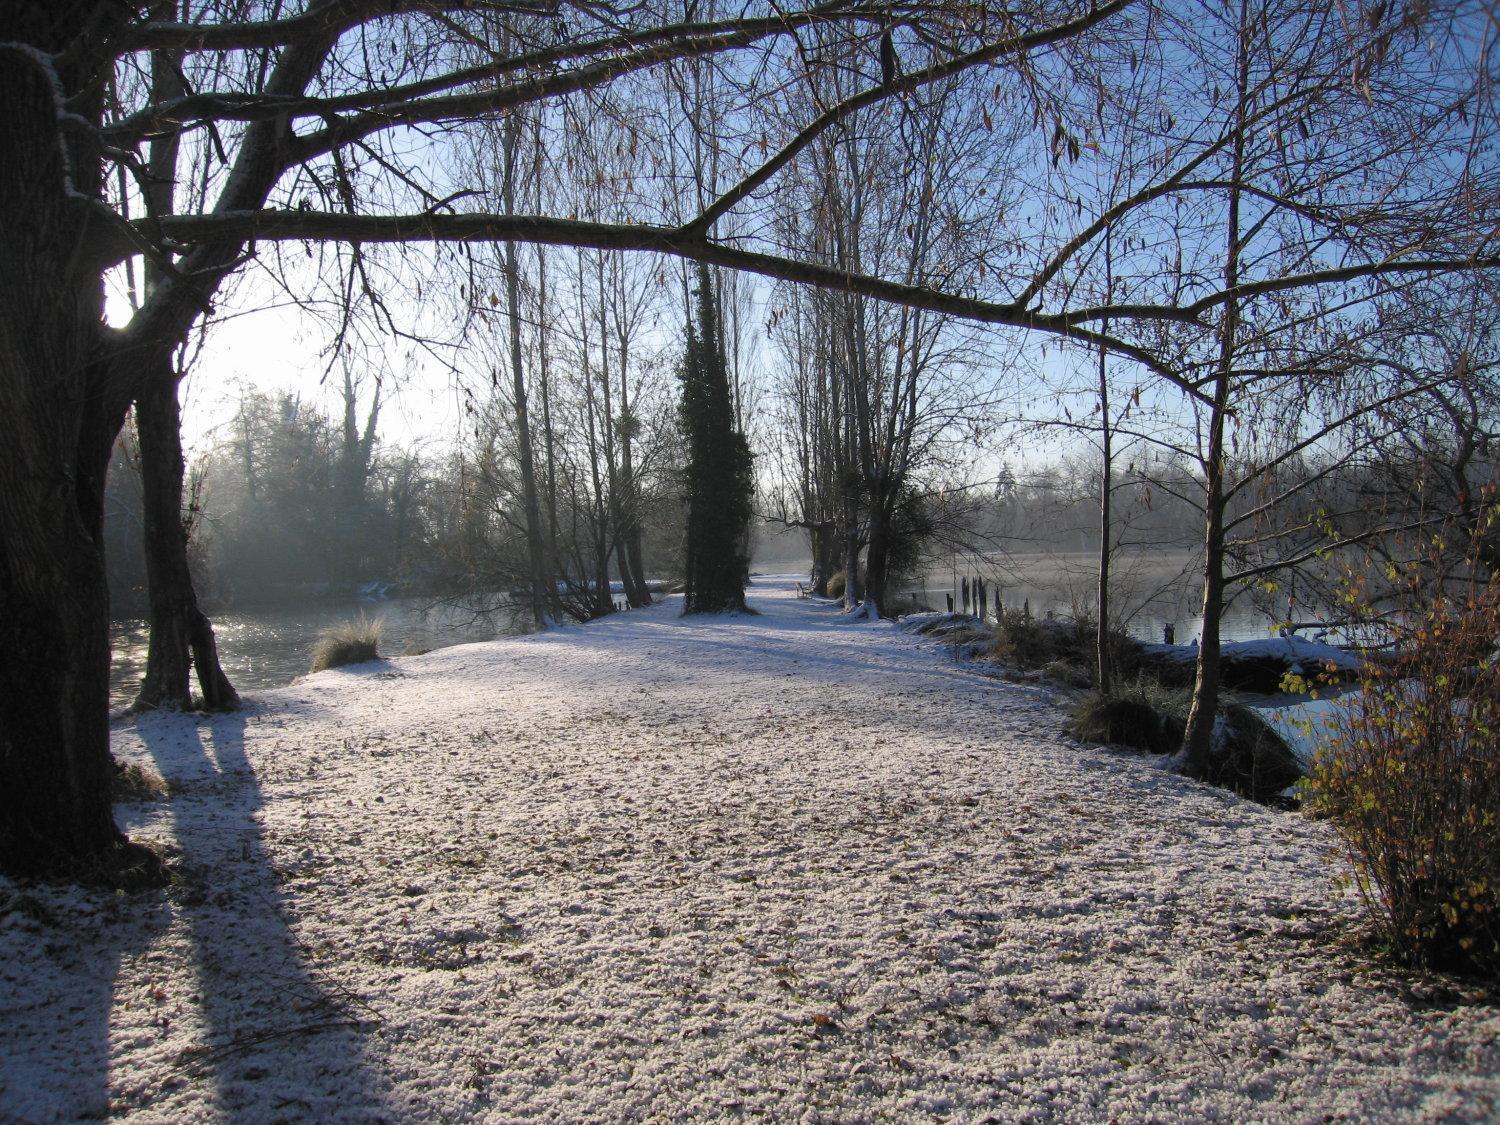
x: 349, y: 642
x: 1024, y: 641
x: 1411, y: 777
x: 1250, y: 758
x: 1134, y: 716
x: 837, y: 582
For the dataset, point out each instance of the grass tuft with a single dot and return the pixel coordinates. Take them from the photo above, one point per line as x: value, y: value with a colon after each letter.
x: 350, y: 642
x: 130, y: 782
x: 1142, y: 717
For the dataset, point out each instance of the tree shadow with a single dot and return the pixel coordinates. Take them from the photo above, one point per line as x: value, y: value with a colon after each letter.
x: 61, y: 947
x: 279, y: 1037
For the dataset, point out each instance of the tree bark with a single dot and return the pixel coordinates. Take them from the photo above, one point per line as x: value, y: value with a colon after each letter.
x: 1197, y: 743
x: 180, y: 632
x: 61, y: 421
x: 852, y: 589
x: 877, y: 550
x: 1106, y: 485
x: 632, y: 569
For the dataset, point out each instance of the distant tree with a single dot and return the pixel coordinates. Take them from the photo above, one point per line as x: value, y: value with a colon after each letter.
x: 720, y: 479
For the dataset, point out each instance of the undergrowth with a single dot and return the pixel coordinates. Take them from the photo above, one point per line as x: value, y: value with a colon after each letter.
x: 130, y: 782
x: 1411, y: 779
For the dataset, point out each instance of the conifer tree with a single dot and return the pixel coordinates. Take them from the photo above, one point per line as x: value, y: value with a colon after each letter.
x: 720, y: 484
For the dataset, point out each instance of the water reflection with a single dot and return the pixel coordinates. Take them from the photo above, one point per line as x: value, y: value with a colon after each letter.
x: 267, y: 648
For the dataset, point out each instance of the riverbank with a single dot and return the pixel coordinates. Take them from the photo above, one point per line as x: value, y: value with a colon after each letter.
x: 691, y: 868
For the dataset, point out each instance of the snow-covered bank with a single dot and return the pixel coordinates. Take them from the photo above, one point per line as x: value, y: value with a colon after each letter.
x: 655, y: 867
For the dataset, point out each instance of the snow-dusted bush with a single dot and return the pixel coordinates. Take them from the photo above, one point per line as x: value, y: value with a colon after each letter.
x: 1249, y: 757
x: 1412, y: 779
x: 1024, y: 641
x: 1136, y: 716
x: 349, y: 642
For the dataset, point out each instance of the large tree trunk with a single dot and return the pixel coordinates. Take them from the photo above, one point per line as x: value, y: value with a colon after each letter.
x: 180, y: 632
x: 719, y: 473
x: 60, y: 426
x: 851, y: 553
x: 823, y: 539
x: 641, y: 596
x: 55, y: 767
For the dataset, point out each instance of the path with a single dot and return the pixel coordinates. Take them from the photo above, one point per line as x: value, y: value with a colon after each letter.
x: 665, y: 868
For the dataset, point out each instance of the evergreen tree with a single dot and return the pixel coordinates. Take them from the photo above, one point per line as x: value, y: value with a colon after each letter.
x: 720, y: 483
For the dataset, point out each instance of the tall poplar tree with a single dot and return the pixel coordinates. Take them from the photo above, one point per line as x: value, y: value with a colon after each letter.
x: 720, y: 484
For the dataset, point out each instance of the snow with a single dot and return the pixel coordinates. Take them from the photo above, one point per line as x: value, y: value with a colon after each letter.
x: 1296, y: 652
x: 657, y: 867
x: 1307, y: 724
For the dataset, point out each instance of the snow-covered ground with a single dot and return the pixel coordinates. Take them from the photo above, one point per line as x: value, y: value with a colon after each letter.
x: 667, y: 868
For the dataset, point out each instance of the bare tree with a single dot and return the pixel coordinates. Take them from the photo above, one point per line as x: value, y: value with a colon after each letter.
x: 317, y: 113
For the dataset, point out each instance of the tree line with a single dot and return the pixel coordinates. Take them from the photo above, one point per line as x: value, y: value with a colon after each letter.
x: 1254, y: 213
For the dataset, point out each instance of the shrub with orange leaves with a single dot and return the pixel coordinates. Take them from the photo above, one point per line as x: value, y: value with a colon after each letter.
x: 1412, y: 778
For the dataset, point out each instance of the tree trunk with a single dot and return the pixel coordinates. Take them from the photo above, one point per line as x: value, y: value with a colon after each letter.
x: 633, y: 555
x: 535, y: 546
x: 851, y: 553
x: 1106, y: 484
x: 719, y: 472
x: 179, y: 630
x: 61, y: 422
x: 525, y: 451
x: 823, y: 540
x: 1197, y: 741
x: 632, y: 569
x: 877, y: 551
x: 55, y: 764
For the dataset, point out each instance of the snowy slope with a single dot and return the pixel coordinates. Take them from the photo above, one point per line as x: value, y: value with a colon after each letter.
x: 666, y: 868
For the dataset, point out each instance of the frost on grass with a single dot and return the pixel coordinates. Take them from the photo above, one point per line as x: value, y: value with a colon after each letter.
x: 686, y: 868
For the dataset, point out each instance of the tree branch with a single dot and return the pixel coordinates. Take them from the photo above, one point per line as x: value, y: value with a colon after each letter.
x: 249, y: 226
x: 906, y: 84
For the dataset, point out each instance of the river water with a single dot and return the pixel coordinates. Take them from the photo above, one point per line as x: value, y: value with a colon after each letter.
x: 1149, y: 592
x: 266, y: 648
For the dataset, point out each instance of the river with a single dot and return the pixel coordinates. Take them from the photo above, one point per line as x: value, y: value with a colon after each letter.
x: 265, y: 648
x: 1149, y: 591
x: 270, y: 647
